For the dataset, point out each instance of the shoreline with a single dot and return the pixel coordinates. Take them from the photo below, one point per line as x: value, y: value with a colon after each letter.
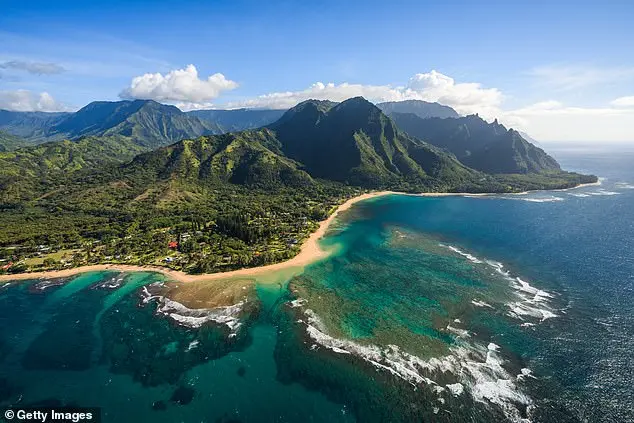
x: 310, y: 251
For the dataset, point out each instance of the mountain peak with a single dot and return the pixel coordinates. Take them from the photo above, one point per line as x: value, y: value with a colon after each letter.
x: 356, y: 102
x: 420, y: 108
x: 488, y: 147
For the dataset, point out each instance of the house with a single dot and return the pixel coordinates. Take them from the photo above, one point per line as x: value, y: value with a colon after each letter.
x: 173, y: 245
x: 7, y: 266
x: 168, y: 259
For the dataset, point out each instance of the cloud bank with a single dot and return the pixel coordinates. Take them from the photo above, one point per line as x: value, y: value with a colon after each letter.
x: 623, y: 101
x: 180, y: 85
x: 574, y: 77
x: 433, y: 86
x: 27, y: 101
x: 553, y: 121
x: 36, y: 68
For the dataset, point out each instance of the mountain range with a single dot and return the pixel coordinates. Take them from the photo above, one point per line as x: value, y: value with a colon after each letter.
x: 151, y: 124
x: 488, y: 147
x: 422, y: 109
x: 353, y: 142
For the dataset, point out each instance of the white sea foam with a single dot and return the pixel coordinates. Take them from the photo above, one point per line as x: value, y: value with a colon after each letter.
x: 461, y: 333
x: 624, y: 185
x: 192, y: 345
x: 603, y: 192
x: 297, y: 303
x: 481, y: 304
x: 532, y: 302
x: 477, y: 369
x: 456, y: 389
x: 579, y: 194
x: 469, y: 257
x: 550, y: 199
x: 195, y: 318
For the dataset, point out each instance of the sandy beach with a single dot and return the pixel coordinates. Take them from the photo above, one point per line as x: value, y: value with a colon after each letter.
x: 310, y: 251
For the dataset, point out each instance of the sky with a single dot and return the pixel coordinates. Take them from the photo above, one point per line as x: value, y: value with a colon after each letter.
x: 562, y: 71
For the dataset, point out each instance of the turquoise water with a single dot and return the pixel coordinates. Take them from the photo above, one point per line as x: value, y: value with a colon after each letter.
x: 433, y: 309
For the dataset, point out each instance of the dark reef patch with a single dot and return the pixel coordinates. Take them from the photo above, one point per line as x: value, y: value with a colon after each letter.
x: 67, y: 340
x: 154, y: 350
x: 183, y: 395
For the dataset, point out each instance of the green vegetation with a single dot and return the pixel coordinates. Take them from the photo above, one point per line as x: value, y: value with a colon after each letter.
x: 32, y: 126
x: 488, y: 147
x: 239, y: 119
x: 217, y: 202
x: 146, y: 122
x: 355, y: 143
x: 10, y: 142
x: 29, y: 172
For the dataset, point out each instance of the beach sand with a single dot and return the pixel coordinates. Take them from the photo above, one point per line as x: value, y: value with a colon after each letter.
x: 310, y: 252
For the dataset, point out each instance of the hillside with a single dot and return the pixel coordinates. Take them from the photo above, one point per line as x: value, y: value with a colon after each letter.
x: 239, y: 119
x: 31, y: 171
x: 422, y: 109
x: 488, y: 147
x: 10, y: 142
x: 32, y: 126
x: 356, y: 143
x: 242, y: 158
x: 146, y: 122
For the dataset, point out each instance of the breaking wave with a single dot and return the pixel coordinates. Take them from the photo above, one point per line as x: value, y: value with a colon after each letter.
x: 475, y: 368
x: 531, y: 302
x: 624, y: 185
x: 470, y: 367
x: 195, y: 318
x: 603, y: 192
x: 550, y: 199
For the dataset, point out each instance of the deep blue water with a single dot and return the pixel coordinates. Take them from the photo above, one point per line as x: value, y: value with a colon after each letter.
x: 578, y: 244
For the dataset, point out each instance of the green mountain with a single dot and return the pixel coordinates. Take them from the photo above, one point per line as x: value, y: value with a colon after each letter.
x: 356, y: 143
x: 32, y: 126
x: 30, y: 171
x: 149, y: 123
x: 488, y: 147
x: 146, y: 122
x: 246, y: 158
x: 422, y: 109
x: 239, y: 119
x: 10, y: 142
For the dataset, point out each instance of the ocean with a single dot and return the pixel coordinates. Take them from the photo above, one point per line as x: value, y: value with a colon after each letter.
x: 458, y: 309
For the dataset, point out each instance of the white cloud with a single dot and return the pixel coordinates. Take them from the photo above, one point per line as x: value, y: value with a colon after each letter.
x: 180, y: 85
x: 37, y: 68
x: 575, y: 77
x: 466, y: 98
x: 553, y: 121
x: 623, y: 101
x: 27, y: 101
